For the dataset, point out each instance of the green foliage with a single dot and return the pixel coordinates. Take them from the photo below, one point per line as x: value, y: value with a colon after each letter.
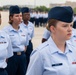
x: 38, y: 8
x: 74, y: 10
x: 1, y: 8
x: 41, y: 8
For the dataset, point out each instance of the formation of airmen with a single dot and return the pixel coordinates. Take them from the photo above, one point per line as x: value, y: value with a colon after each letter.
x: 16, y: 42
x: 39, y: 18
x: 57, y: 53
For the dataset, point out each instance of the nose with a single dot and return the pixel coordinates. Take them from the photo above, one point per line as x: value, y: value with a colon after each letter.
x: 70, y: 28
x: 20, y: 17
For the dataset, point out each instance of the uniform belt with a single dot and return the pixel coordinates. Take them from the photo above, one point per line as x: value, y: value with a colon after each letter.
x: 18, y: 53
x: 2, y: 69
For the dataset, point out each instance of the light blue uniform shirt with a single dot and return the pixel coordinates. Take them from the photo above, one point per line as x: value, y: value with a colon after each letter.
x: 46, y: 34
x: 5, y: 49
x: 30, y: 29
x: 50, y: 60
x: 19, y: 38
x: 73, y: 37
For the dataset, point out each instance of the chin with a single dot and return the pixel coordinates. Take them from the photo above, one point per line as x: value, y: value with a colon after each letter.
x: 68, y: 38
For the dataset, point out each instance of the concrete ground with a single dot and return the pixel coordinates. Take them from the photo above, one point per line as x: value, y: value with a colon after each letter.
x: 38, y: 36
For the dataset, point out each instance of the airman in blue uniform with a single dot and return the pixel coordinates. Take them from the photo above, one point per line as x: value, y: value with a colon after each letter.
x: 46, y: 35
x: 19, y: 40
x: 5, y: 50
x: 73, y: 38
x: 56, y: 56
x: 29, y: 26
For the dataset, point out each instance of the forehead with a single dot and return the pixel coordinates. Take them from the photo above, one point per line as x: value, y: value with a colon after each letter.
x: 26, y: 13
x: 64, y: 23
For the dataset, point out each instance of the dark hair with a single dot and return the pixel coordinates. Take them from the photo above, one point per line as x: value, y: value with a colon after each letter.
x: 0, y: 15
x: 10, y: 21
x: 51, y: 22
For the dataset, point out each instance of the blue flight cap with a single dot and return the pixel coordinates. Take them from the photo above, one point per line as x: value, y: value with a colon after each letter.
x: 25, y: 10
x: 14, y: 10
x: 64, y: 13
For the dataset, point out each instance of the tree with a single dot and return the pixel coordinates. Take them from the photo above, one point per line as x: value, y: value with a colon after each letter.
x: 41, y: 8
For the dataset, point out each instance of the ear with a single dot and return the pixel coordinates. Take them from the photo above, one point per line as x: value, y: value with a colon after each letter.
x: 11, y: 17
x: 52, y: 29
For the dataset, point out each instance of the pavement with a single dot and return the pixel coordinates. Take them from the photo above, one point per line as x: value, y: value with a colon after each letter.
x: 38, y: 36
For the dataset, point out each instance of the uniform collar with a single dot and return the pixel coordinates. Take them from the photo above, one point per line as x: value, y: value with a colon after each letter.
x: 1, y: 34
x: 12, y: 29
x: 55, y: 49
x: 25, y: 24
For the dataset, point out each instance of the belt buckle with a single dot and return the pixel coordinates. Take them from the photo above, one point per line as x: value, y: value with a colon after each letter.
x: 18, y: 53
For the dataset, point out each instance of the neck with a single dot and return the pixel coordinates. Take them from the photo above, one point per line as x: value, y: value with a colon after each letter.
x: 60, y: 44
x: 26, y: 22
x: 15, y: 26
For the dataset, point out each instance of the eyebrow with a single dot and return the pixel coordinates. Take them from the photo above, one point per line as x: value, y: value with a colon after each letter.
x: 67, y: 24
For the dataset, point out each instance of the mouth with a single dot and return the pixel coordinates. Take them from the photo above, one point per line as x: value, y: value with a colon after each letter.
x: 69, y: 34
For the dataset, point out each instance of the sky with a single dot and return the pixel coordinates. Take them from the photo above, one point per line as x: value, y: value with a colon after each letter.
x: 31, y: 2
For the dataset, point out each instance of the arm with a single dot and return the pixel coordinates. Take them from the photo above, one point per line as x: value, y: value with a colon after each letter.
x: 46, y: 35
x: 9, y: 49
x: 36, y: 65
x: 25, y: 48
x: 27, y: 41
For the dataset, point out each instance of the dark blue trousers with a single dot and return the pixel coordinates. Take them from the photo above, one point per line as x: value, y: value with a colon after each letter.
x: 16, y: 65
x: 28, y: 52
x: 3, y: 72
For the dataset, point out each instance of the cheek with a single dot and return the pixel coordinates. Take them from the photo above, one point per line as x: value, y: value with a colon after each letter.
x: 60, y: 32
x: 21, y: 18
x: 16, y: 20
x: 24, y: 17
x: 0, y: 21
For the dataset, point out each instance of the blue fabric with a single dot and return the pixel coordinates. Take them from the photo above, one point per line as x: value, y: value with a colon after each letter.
x: 14, y: 10
x: 17, y: 65
x: 50, y: 60
x: 28, y: 52
x: 64, y: 13
x: 25, y: 10
x: 3, y: 72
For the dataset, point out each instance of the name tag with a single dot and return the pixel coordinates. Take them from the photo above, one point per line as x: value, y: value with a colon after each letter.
x: 58, y: 64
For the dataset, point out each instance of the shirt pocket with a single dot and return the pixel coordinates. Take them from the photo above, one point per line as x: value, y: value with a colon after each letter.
x: 13, y: 39
x: 23, y: 38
